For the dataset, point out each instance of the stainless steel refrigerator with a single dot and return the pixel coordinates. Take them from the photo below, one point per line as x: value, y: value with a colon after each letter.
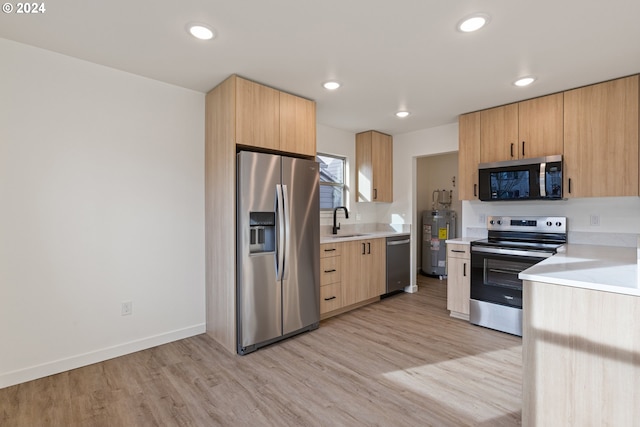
x: 278, y: 245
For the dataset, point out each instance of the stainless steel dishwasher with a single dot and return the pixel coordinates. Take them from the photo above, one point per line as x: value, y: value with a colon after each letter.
x: 398, y: 263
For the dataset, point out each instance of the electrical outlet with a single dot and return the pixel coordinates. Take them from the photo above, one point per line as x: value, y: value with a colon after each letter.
x: 127, y: 308
x: 482, y: 218
x: 594, y: 220
x: 358, y: 217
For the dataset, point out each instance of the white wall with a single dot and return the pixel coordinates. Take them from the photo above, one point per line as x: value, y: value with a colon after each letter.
x: 406, y: 149
x: 101, y: 201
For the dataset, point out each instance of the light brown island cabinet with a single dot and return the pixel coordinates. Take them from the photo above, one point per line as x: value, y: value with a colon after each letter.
x: 374, y: 163
x: 458, y: 280
x: 468, y: 155
x: 330, y: 278
x: 581, y: 357
x: 527, y: 129
x: 270, y: 119
x: 241, y: 113
x: 601, y: 139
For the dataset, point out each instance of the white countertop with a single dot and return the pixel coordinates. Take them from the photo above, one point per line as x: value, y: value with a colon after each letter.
x: 463, y: 240
x: 333, y: 238
x: 602, y: 268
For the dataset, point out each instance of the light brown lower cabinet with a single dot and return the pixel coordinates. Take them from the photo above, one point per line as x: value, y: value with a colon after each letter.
x: 458, y: 280
x: 352, y: 274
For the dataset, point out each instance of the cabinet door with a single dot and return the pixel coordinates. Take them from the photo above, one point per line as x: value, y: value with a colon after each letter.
x: 374, y: 271
x: 363, y: 270
x: 297, y: 125
x: 458, y: 279
x: 468, y: 155
x: 382, y: 157
x: 257, y: 115
x: 601, y: 139
x: 364, y: 167
x: 499, y: 134
x: 540, y: 126
x: 352, y: 259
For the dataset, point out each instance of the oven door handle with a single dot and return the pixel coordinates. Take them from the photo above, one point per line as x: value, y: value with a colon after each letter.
x: 504, y: 271
x: 518, y: 252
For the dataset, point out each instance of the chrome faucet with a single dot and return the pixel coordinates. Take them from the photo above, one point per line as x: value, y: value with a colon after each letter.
x: 335, y: 211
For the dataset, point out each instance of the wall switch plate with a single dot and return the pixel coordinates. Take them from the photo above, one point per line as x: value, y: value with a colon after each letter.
x: 127, y: 308
x: 594, y: 220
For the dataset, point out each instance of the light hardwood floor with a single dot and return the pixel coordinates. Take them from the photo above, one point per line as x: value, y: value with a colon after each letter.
x: 400, y: 362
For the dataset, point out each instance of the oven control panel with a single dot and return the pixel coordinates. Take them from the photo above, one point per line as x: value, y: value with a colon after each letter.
x: 536, y: 224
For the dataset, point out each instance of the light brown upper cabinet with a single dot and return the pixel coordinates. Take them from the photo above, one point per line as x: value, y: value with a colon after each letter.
x: 297, y: 125
x: 374, y: 162
x: 274, y: 120
x: 527, y: 129
x: 468, y: 155
x: 601, y: 139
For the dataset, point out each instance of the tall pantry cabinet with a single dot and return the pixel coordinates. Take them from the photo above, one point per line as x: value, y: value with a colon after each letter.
x: 241, y: 113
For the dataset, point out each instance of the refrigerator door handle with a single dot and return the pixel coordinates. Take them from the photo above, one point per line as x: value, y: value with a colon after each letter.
x: 287, y: 231
x: 281, y: 235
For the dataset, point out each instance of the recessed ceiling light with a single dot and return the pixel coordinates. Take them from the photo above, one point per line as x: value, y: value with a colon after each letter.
x: 524, y: 81
x: 402, y: 114
x: 473, y: 22
x: 201, y: 31
x: 331, y: 85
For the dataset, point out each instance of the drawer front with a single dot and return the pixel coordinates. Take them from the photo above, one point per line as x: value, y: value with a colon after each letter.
x: 330, y: 270
x: 458, y: 251
x: 330, y: 249
x: 330, y: 297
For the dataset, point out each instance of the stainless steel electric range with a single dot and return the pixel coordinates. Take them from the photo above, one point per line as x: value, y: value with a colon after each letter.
x: 513, y: 245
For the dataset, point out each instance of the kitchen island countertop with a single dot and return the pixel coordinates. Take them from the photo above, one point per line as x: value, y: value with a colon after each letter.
x: 602, y: 268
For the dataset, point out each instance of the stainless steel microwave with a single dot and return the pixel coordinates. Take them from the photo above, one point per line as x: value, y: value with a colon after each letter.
x: 525, y: 179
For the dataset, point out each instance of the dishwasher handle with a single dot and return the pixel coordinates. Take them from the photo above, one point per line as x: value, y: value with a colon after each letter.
x: 398, y: 242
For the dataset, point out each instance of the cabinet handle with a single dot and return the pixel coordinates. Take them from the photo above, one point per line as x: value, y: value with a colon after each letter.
x: 330, y: 250
x: 375, y: 194
x: 569, y: 185
x: 512, y: 149
x: 330, y: 298
x: 475, y: 190
x: 464, y: 269
x: 363, y: 249
x: 369, y: 244
x: 458, y: 251
x: 330, y: 271
x: 522, y: 148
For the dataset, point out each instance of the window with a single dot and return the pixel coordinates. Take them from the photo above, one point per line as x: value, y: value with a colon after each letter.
x: 332, y: 189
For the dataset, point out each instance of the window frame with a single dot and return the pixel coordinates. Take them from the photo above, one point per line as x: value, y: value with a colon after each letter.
x: 342, y: 185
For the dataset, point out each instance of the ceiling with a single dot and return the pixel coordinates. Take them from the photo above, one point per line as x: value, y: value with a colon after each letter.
x: 405, y: 54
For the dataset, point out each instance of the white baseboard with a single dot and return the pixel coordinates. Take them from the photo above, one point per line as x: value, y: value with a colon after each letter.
x: 8, y: 379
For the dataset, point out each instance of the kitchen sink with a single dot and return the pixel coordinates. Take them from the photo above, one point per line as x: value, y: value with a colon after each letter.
x: 338, y: 236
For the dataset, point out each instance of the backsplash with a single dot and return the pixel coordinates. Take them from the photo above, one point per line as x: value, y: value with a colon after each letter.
x: 608, y: 221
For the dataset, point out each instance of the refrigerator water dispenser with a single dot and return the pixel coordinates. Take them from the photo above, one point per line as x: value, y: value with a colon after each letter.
x: 262, y: 232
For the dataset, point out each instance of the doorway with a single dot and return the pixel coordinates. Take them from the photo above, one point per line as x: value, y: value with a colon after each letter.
x: 438, y: 172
